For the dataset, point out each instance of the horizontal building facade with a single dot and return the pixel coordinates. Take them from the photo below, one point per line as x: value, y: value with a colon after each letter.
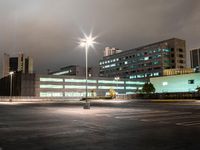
x: 54, y: 86
x: 70, y: 86
x: 176, y: 83
x: 146, y: 61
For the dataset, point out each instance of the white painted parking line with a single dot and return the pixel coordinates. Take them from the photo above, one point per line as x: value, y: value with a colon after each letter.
x: 188, y: 122
x: 172, y: 118
x: 162, y: 114
x: 192, y: 124
x: 103, y: 115
x: 141, y: 113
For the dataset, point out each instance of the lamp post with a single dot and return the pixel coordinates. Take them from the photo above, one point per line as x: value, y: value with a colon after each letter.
x: 117, y: 79
x: 11, y: 80
x: 87, y: 42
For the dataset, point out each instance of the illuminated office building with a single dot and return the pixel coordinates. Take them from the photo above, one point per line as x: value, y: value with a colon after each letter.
x: 146, y: 61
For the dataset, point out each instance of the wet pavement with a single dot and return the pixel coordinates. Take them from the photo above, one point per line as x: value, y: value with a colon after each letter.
x: 121, y: 125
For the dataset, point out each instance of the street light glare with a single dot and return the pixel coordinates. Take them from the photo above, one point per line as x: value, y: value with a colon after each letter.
x: 11, y: 73
x: 87, y: 41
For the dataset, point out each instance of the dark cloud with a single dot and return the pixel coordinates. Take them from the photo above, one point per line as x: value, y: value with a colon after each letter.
x: 48, y: 30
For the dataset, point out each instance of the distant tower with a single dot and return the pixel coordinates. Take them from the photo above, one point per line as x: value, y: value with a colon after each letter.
x: 6, y: 64
x: 16, y: 64
x: 110, y: 51
x: 195, y: 58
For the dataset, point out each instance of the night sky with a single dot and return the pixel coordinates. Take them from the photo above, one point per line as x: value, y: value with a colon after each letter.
x: 49, y: 30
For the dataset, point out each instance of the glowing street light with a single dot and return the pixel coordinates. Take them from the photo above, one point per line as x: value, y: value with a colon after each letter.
x: 11, y: 75
x: 87, y: 42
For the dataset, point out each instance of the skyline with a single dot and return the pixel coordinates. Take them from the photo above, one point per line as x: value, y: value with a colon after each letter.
x: 44, y: 27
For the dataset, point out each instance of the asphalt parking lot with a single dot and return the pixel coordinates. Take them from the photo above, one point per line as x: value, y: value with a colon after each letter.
x: 113, y: 125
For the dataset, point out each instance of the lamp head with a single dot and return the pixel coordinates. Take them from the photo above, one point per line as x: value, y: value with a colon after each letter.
x: 11, y: 73
x: 87, y: 41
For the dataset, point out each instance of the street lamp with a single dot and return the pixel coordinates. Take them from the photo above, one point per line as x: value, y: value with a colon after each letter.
x: 117, y: 79
x: 87, y: 42
x: 11, y: 76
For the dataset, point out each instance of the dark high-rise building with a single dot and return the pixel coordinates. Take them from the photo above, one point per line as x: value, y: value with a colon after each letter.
x: 145, y: 61
x: 16, y: 64
x: 195, y: 58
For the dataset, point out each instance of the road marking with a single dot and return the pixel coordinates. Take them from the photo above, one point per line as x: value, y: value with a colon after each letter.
x: 188, y: 122
x: 103, y: 115
x: 171, y: 118
x: 192, y: 124
x: 141, y: 113
x: 161, y: 115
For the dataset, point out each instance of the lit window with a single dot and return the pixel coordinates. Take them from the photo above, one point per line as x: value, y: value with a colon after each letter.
x: 51, y: 79
x: 51, y: 94
x: 110, y: 82
x: 80, y: 81
x: 165, y: 83
x: 111, y: 87
x: 130, y: 88
x: 49, y: 86
x: 77, y: 94
x: 63, y: 72
x: 79, y: 87
x: 156, y: 74
x: 134, y: 82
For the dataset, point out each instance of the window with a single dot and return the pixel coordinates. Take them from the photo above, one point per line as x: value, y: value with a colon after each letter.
x: 146, y: 58
x: 110, y: 82
x: 180, y: 55
x: 180, y: 50
x: 190, y: 81
x: 180, y: 61
x: 51, y: 94
x: 79, y: 87
x: 48, y: 86
x: 80, y: 81
x: 51, y: 79
x: 134, y: 82
x: 165, y: 83
x: 111, y: 87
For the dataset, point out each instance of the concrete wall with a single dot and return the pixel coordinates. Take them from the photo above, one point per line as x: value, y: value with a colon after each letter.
x: 178, y: 83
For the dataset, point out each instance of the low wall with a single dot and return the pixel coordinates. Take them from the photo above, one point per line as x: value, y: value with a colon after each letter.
x: 184, y: 95
x: 34, y: 99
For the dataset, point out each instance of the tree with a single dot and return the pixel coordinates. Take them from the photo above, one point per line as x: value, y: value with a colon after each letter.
x: 148, y: 88
x: 198, y: 89
x: 112, y: 93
